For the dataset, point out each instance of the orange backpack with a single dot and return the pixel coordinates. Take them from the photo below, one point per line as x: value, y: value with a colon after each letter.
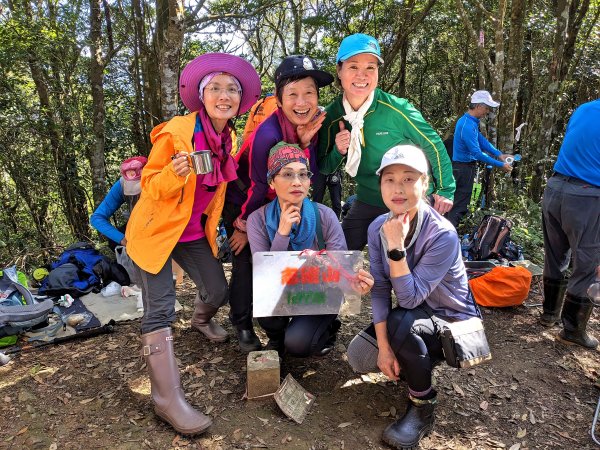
x: 502, y: 286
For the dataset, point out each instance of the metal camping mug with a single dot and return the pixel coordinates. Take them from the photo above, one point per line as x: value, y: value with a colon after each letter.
x: 202, y: 162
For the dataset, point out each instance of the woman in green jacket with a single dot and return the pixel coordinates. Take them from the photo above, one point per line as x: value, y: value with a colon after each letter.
x: 362, y: 124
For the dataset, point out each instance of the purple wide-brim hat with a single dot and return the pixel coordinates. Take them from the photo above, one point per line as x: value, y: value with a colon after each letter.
x: 202, y: 65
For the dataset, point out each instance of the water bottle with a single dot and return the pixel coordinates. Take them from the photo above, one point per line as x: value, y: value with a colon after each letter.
x: 464, y: 246
x: 593, y: 291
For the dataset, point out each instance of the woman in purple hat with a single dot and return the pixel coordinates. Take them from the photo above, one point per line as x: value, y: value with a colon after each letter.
x: 296, y: 120
x: 362, y: 124
x: 177, y: 215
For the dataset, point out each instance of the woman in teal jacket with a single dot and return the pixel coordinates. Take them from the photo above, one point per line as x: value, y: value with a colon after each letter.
x: 362, y: 124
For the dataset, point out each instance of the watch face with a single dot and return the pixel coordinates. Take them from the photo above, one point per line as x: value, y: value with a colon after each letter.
x: 396, y: 254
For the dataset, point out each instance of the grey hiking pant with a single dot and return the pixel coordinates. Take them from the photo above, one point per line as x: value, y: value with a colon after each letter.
x: 158, y: 291
x: 571, y: 224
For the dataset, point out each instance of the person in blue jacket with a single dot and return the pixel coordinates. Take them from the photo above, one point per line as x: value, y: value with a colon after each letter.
x: 127, y: 190
x: 571, y: 225
x: 470, y: 146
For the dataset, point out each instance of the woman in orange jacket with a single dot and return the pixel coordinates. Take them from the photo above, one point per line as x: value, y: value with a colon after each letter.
x: 176, y: 218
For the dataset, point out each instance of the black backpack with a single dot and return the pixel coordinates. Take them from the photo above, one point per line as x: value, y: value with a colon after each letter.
x: 492, y: 240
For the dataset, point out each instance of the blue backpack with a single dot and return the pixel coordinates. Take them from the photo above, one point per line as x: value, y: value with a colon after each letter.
x: 81, y: 269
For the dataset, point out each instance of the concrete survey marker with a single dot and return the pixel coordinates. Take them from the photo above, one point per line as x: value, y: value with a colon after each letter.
x: 263, y: 374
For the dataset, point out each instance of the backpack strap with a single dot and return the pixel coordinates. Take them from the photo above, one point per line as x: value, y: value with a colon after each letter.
x: 320, y: 240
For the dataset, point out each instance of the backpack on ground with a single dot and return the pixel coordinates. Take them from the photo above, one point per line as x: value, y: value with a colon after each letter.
x: 492, y: 241
x: 18, y: 310
x: 81, y: 269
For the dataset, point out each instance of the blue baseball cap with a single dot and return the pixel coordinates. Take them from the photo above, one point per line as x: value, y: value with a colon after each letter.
x: 358, y: 43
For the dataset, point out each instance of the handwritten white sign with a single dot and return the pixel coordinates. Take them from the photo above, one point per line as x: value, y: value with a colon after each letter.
x: 305, y: 283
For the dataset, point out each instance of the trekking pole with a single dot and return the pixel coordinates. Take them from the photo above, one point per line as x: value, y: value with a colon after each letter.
x: 595, y: 422
x: 104, y: 329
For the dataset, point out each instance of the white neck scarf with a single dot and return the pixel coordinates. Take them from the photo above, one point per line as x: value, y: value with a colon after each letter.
x: 356, y: 119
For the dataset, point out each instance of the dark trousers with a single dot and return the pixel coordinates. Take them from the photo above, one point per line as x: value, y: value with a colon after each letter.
x: 464, y: 174
x: 303, y: 335
x: 414, y: 340
x: 357, y: 221
x: 320, y: 184
x: 158, y: 290
x: 240, y: 284
x: 571, y: 225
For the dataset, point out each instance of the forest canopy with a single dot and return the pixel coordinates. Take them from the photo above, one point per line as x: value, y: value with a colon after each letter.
x: 82, y: 84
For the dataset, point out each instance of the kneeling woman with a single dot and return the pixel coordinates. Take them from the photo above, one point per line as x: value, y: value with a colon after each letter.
x: 288, y: 223
x: 416, y: 253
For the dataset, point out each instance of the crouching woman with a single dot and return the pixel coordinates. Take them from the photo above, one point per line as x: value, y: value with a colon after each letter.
x: 414, y: 252
x: 287, y: 223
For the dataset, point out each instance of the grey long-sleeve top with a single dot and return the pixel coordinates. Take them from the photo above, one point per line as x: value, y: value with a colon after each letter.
x: 438, y: 275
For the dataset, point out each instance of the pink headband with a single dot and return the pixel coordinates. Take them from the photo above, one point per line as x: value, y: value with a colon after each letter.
x: 208, y: 78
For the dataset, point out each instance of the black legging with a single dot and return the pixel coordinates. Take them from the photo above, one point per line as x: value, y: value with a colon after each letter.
x: 413, y: 338
x: 302, y: 335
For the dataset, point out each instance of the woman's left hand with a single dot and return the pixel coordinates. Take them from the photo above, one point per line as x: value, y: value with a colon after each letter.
x: 308, y: 131
x: 395, y: 230
x: 363, y: 282
x: 238, y: 241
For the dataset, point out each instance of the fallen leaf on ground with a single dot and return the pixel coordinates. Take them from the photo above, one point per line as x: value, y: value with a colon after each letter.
x: 216, y: 360
x: 516, y: 446
x: 458, y: 389
x: 521, y: 433
x: 344, y: 424
x: 484, y: 405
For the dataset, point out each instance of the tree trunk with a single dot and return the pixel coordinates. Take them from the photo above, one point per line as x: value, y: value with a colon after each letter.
x: 170, y: 43
x: 510, y: 88
x: 96, y: 154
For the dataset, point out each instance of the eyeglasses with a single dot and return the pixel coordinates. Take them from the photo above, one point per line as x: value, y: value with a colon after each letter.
x: 231, y: 91
x: 290, y: 175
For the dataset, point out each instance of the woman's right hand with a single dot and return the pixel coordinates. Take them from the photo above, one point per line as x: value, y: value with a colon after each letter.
x: 396, y: 229
x: 342, y: 139
x: 181, y: 164
x: 388, y: 364
x: 290, y: 215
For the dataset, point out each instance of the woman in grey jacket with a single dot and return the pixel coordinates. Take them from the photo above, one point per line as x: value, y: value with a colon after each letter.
x: 415, y: 253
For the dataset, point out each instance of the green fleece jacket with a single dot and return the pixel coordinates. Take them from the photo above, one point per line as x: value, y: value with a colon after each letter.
x: 388, y: 122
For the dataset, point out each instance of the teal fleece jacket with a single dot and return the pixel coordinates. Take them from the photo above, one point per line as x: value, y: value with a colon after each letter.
x: 388, y: 122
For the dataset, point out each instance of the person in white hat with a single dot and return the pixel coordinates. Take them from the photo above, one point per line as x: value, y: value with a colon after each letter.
x: 415, y: 253
x: 470, y: 146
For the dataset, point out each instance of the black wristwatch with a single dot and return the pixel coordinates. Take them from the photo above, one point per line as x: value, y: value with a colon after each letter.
x: 396, y: 254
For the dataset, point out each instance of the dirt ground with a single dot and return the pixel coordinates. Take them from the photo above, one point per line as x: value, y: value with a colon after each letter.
x: 536, y: 393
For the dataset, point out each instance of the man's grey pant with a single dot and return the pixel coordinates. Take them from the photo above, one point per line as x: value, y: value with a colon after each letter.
x: 158, y: 291
x: 571, y: 224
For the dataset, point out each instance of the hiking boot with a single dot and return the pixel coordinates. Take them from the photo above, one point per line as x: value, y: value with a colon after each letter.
x: 330, y: 343
x: 575, y: 316
x: 554, y: 297
x: 248, y: 340
x: 202, y: 320
x: 416, y: 423
x: 168, y: 397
